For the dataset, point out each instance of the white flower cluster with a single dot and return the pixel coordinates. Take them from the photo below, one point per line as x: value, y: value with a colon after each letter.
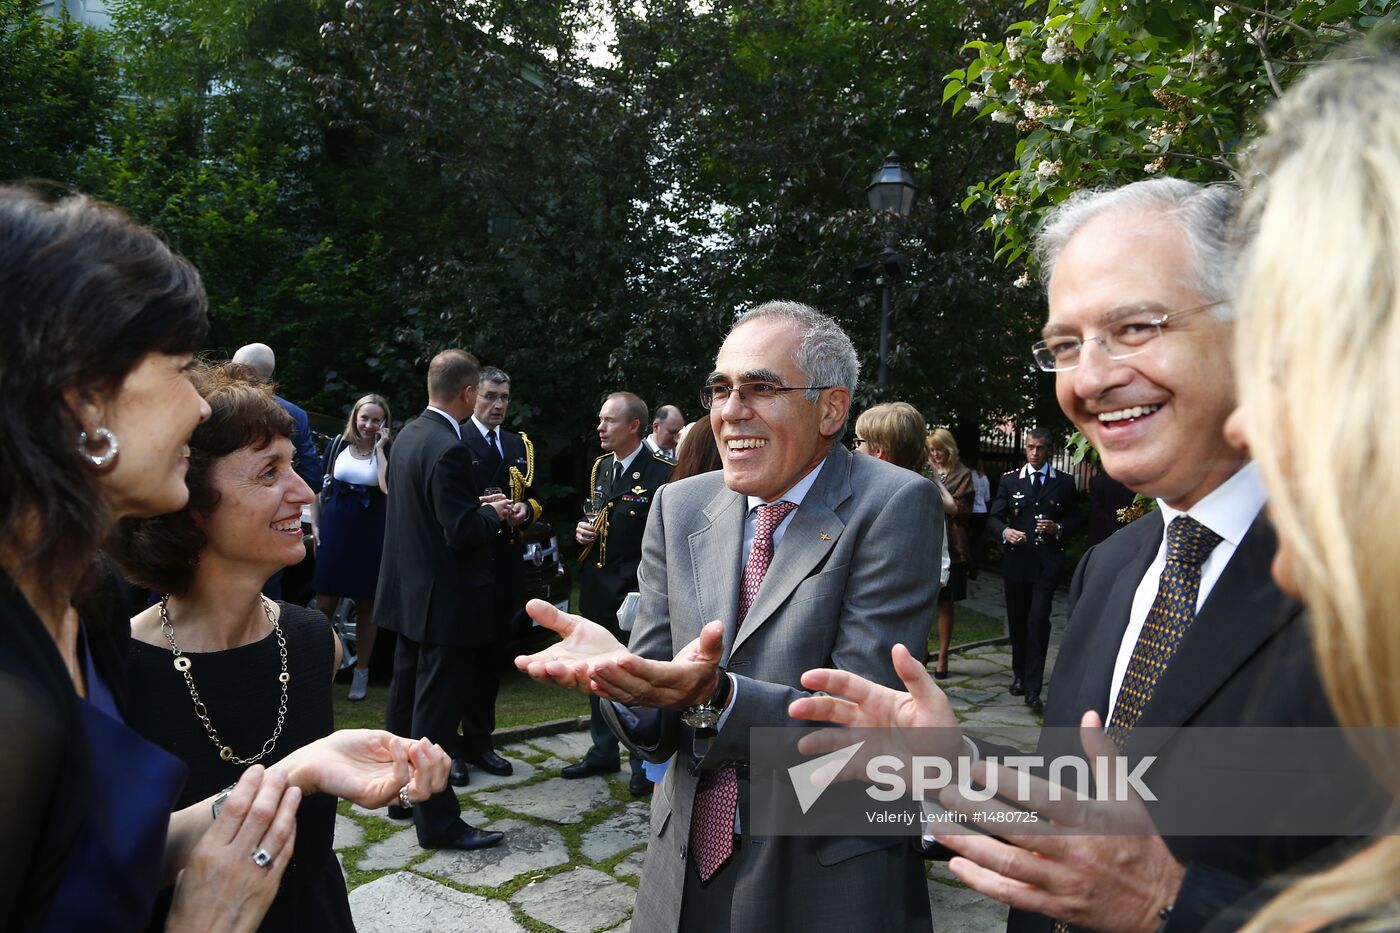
x: 1155, y: 166
x: 1038, y: 111
x: 1023, y: 280
x: 976, y: 99
x: 1004, y: 115
x: 1058, y: 50
x: 1047, y: 169
x: 1015, y: 48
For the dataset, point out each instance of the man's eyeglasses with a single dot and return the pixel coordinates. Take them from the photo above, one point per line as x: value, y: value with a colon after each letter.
x: 1123, y: 339
x: 492, y: 398
x: 750, y: 393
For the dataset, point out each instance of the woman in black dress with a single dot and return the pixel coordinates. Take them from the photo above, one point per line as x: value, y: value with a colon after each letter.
x: 348, y: 522
x: 222, y: 677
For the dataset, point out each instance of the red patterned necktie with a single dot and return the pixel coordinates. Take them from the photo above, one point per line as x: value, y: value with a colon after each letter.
x: 717, y: 797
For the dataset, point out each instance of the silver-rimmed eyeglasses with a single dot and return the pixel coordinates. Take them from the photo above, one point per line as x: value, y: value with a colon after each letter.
x: 1124, y: 338
x: 750, y: 393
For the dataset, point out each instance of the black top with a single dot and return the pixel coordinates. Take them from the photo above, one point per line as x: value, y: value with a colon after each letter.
x: 241, y: 692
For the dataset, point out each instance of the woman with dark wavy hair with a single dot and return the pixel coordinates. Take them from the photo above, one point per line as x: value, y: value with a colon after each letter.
x: 99, y: 322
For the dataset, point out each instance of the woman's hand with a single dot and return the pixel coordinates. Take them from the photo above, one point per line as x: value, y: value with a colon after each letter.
x: 368, y: 767
x: 222, y: 889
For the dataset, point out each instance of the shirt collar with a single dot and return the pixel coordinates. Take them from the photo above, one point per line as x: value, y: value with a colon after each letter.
x: 627, y: 461
x: 1230, y: 508
x: 1045, y: 470
x: 481, y: 427
x: 797, y: 493
x: 450, y: 420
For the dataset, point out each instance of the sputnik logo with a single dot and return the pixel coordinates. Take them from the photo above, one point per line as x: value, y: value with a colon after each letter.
x: 811, y: 778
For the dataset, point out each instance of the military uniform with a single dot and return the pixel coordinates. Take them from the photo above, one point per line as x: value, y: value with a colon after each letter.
x: 1030, y: 570
x: 514, y: 474
x: 608, y: 566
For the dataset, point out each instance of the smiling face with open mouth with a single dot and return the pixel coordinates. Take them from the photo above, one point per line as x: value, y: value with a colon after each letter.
x: 257, y: 519
x: 768, y: 445
x: 1156, y: 418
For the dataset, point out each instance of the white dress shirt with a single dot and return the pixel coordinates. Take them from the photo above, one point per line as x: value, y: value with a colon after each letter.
x: 450, y: 420
x: 1228, y: 511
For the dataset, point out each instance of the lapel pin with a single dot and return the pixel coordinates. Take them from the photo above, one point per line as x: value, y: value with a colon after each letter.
x: 636, y: 474
x: 825, y: 536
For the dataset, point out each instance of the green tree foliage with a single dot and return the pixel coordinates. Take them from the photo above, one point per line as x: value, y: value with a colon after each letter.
x: 1108, y: 93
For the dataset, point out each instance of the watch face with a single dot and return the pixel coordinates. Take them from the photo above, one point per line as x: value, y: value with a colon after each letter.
x: 701, y: 717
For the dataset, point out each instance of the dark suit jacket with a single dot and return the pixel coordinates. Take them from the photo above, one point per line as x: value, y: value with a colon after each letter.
x: 506, y: 552
x: 307, y: 463
x: 1245, y: 661
x: 435, y: 579
x: 609, y: 573
x: 1016, y: 505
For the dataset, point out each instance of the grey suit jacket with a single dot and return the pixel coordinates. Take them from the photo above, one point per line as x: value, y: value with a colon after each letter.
x: 856, y: 571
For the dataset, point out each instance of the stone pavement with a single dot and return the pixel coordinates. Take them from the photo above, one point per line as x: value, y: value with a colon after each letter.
x: 573, y: 849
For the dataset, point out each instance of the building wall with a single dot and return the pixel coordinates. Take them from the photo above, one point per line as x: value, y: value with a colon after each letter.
x: 92, y: 12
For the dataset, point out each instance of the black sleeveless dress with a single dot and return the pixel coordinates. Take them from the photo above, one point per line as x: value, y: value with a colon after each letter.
x: 241, y: 692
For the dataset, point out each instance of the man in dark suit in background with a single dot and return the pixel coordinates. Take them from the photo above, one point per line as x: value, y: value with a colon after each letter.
x: 665, y: 433
x: 625, y: 481
x: 1033, y: 514
x: 435, y: 587
x: 504, y: 460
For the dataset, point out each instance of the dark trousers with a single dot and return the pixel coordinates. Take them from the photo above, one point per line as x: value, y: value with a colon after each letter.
x: 483, y: 681
x: 605, y: 750
x: 707, y: 907
x: 1028, y: 618
x: 425, y: 699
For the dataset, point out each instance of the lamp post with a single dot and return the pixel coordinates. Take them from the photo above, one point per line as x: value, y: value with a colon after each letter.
x: 891, y: 189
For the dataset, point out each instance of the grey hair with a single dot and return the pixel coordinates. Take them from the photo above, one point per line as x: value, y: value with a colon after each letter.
x: 1204, y: 213
x: 492, y: 374
x: 826, y: 355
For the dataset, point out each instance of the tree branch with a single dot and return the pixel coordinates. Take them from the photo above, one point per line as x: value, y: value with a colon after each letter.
x: 1257, y: 37
x: 1281, y: 20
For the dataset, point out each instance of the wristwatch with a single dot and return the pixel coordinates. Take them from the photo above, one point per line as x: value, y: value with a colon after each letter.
x: 705, y: 717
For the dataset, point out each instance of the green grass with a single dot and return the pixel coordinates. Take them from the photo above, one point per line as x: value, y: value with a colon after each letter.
x: 969, y: 625
x: 521, y: 701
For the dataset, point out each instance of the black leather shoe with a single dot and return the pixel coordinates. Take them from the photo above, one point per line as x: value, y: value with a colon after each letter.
x: 459, y: 777
x: 397, y: 812
x: 1017, y: 688
x: 585, y: 769
x: 465, y: 838
x: 490, y: 762
x: 640, y: 785
x: 1033, y: 701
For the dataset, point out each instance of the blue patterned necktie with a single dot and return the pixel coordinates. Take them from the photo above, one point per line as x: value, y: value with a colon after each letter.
x: 1189, y: 543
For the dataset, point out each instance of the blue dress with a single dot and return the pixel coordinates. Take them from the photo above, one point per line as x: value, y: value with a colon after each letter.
x: 352, y: 539
x: 113, y: 874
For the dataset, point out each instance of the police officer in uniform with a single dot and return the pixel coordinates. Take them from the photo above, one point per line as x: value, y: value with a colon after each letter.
x: 1034, y: 513
x: 504, y: 460
x: 623, y: 482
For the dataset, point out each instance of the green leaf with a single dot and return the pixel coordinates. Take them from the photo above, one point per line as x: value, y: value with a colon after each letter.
x: 951, y: 88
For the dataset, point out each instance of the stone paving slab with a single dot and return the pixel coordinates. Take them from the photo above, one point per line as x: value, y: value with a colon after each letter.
x: 401, y: 848
x: 557, y: 800
x: 631, y: 865
x: 570, y: 745
x: 628, y: 828
x: 527, y: 848
x: 408, y: 903
x: 348, y: 833
x: 963, y: 910
x: 577, y: 901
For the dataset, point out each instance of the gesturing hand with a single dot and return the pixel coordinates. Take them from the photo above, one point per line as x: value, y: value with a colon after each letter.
x: 368, y: 767
x: 566, y: 663
x: 689, y: 679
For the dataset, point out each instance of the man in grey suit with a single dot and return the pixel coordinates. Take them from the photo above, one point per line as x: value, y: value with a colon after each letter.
x: 797, y: 554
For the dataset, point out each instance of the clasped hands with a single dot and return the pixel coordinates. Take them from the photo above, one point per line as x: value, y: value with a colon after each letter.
x: 513, y: 514
x: 1115, y: 880
x: 589, y: 659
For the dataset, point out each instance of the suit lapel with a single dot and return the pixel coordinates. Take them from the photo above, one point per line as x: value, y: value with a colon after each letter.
x: 808, y: 539
x: 1113, y: 612
x: 715, y: 553
x: 1243, y: 611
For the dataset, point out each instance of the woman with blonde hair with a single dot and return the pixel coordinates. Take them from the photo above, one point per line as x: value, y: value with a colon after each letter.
x: 348, y: 522
x: 956, y: 478
x: 1317, y: 352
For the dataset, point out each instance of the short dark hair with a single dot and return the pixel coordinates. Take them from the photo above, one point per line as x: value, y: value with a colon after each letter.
x: 1041, y: 434
x: 450, y: 372
x: 87, y: 294
x: 163, y: 552
x: 633, y: 407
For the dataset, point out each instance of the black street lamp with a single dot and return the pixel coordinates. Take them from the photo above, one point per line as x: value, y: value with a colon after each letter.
x: 891, y: 189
